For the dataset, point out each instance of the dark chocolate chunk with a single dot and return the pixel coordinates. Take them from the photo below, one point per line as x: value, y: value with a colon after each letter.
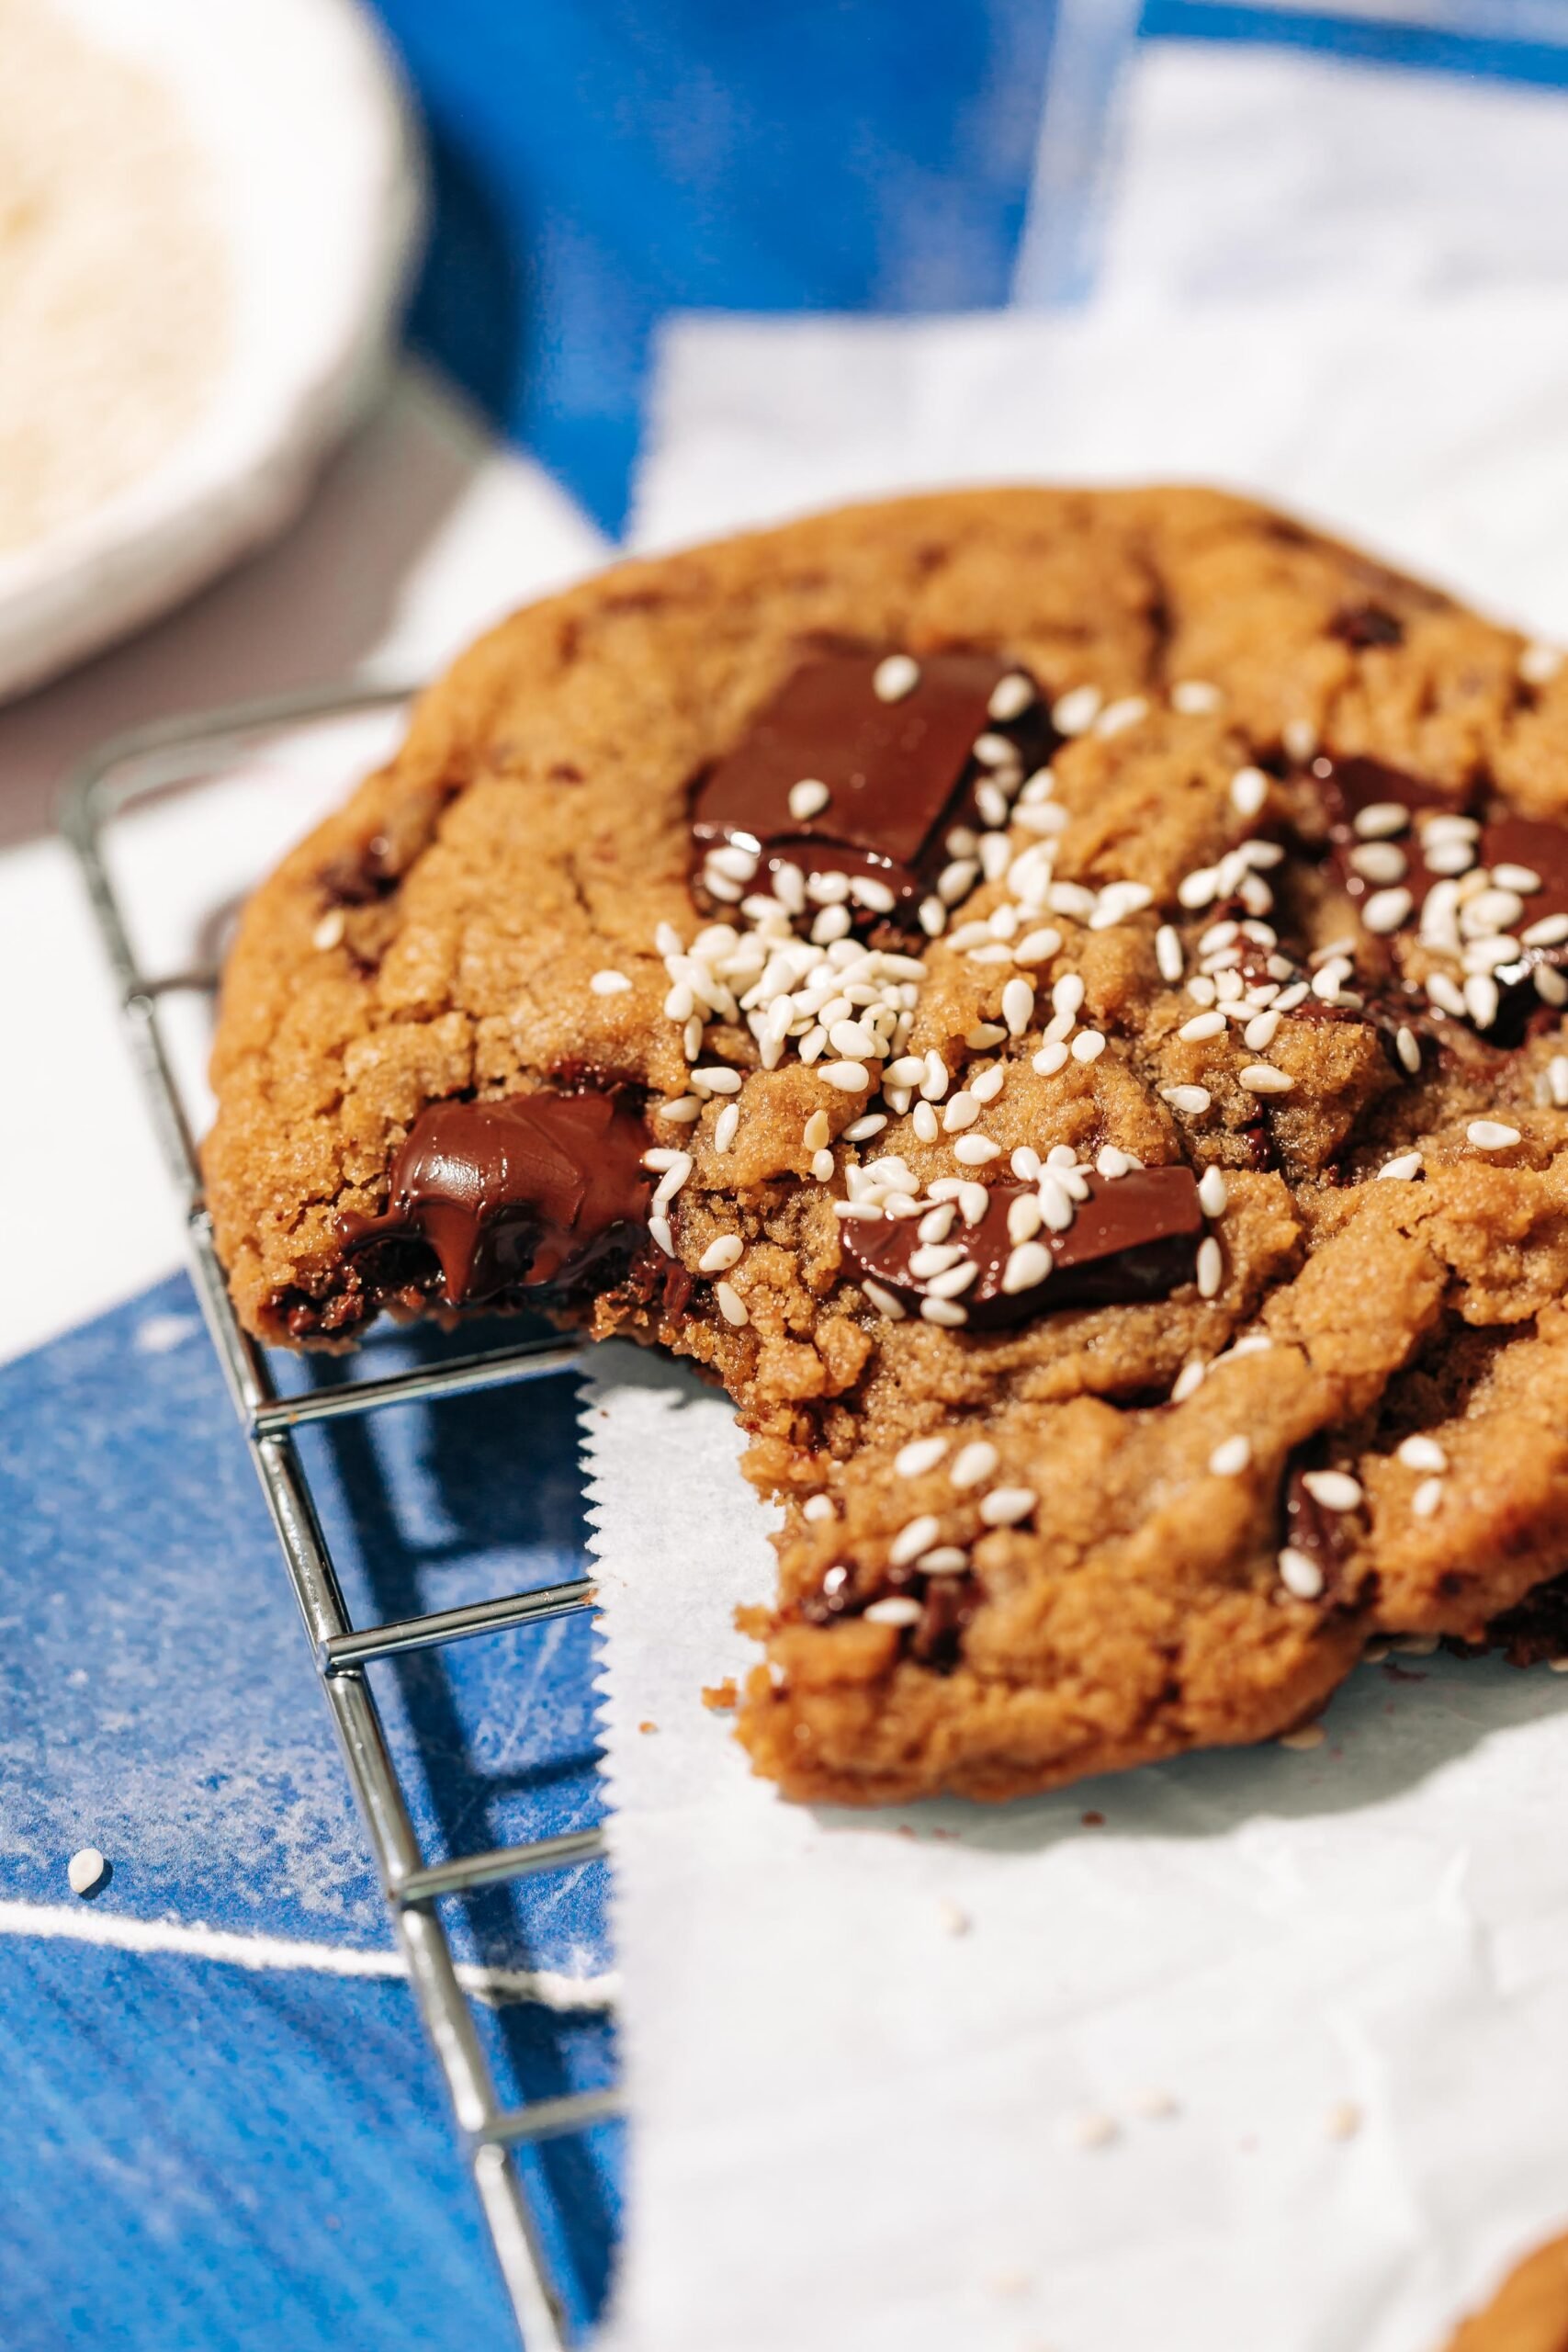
x: 1327, y: 1537
x: 522, y: 1195
x: 1360, y: 626
x: 899, y: 774
x: 1135, y: 1237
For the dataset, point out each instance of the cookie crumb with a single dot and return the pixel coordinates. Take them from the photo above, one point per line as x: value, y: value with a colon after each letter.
x: 1309, y: 1736
x: 718, y: 1698
x: 648, y: 1726
x: 1011, y: 2282
x: 1095, y: 2130
x: 86, y: 1870
x: 1092, y: 1820
x: 1157, y: 2105
x: 1343, y: 2119
x: 953, y: 1916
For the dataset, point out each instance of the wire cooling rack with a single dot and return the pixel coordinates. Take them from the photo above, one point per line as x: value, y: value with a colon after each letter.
x: 130, y: 769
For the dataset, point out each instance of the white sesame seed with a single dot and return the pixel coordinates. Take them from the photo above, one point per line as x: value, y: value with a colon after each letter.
x: 1551, y: 986
x: 1445, y: 995
x: 1550, y: 932
x: 1380, y: 819
x: 1199, y: 888
x: 1299, y: 737
x: 1212, y: 1191
x: 847, y: 1078
x: 954, y: 1281
x: 956, y: 880
x: 937, y: 1224
x: 1025, y: 1216
x: 973, y: 1201
x: 817, y: 1507
x: 1381, y: 862
x: 1449, y: 857
x: 1231, y: 1457
x: 1111, y: 1162
x: 1538, y: 665
x: 682, y: 1109
x: 861, y: 1130
x: 945, y: 1560
x: 934, y: 1257
x: 1168, y: 954
x: 1300, y: 1574
x: 1386, y: 910
x: 731, y: 1305
x: 1557, y: 1080
x: 1260, y: 1031
x: 1249, y: 790
x: 1117, y: 717
x: 975, y: 1464
x: 934, y: 1084
x: 1075, y: 712
x: 658, y: 1230
x: 1421, y: 1453
x: 884, y: 1300
x: 1005, y: 1506
x: 1037, y: 947
x: 721, y: 1254
x: 672, y: 1181
x: 1028, y: 1265
x: 1492, y: 1134
x: 1010, y: 697
x: 807, y: 799
x: 723, y: 1127
x: 898, y: 1608
x: 714, y: 1078
x: 816, y: 1131
x: 1195, y: 697
x: 1201, y: 1026
x: 1335, y: 1489
x: 990, y: 1083
x: 960, y: 1110
x: 920, y: 1455
x: 1192, y: 1100
x: 1481, y: 1000
x: 1307, y: 1736
x: 1262, y: 1078
x: 917, y: 1536
x: 973, y: 1151
x: 896, y: 675
x: 1407, y: 1165
x: 609, y: 983
x: 328, y: 934
x: 933, y: 918
x: 1070, y: 898
x: 1209, y: 1268
x: 1088, y: 1046
x: 1427, y: 1499
x: 924, y: 1121
x: 85, y: 1869
x: 946, y: 1311
x: 1051, y: 1058
x: 1188, y: 1381
x: 1018, y: 1006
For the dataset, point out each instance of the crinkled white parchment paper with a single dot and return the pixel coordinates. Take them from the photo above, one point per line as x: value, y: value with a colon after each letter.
x: 857, y: 2128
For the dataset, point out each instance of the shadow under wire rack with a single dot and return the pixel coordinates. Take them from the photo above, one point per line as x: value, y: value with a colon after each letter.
x: 134, y: 768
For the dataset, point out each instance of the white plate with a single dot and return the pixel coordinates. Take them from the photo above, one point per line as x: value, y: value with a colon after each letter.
x: 317, y: 173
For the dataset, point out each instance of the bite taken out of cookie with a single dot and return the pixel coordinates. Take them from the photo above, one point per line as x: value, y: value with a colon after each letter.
x: 1056, y: 1000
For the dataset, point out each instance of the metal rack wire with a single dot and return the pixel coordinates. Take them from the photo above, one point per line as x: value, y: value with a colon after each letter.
x: 130, y: 768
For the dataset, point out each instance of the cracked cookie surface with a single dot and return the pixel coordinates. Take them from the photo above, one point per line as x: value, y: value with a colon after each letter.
x: 1104, y: 1120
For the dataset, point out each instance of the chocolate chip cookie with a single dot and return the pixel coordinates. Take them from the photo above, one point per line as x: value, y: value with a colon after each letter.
x: 1055, y: 1000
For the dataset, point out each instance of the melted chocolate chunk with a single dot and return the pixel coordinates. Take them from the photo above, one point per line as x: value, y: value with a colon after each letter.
x: 1360, y: 626
x: 524, y: 1195
x: 898, y: 776
x: 1135, y: 1237
x: 1538, y: 849
x: 1326, y: 1536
